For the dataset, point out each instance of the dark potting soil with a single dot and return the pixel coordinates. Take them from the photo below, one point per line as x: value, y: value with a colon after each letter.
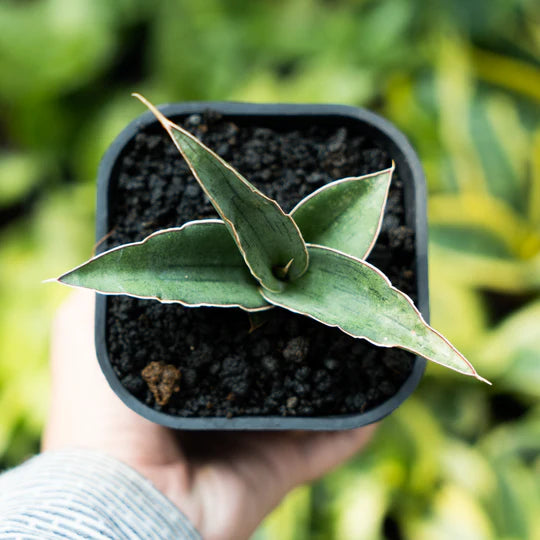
x: 229, y: 364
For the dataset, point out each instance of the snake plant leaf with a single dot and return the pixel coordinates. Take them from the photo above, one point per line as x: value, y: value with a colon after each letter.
x: 343, y: 291
x: 345, y: 215
x: 267, y: 237
x: 197, y: 264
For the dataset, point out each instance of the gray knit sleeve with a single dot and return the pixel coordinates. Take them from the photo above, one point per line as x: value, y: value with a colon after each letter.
x: 80, y: 494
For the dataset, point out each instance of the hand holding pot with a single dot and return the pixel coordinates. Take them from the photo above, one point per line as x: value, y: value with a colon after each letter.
x: 225, y: 483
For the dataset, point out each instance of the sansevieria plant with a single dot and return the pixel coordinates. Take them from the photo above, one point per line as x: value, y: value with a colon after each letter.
x: 256, y: 257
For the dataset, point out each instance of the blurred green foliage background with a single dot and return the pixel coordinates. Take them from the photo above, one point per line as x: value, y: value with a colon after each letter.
x: 461, y: 78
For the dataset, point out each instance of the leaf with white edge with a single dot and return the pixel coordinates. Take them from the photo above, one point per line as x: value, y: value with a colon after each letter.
x: 343, y: 291
x: 346, y: 214
x: 197, y: 264
x: 268, y: 239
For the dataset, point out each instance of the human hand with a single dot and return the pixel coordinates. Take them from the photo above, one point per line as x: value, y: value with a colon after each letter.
x: 224, y: 482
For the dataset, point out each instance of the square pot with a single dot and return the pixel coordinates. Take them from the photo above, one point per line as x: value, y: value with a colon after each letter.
x: 284, y: 119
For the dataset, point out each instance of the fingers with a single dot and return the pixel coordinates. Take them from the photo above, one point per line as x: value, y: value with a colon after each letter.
x: 301, y: 457
x: 254, y: 471
x: 278, y: 460
x: 318, y: 453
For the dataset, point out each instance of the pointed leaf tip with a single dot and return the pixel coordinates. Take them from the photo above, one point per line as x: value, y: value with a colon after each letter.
x: 345, y: 292
x: 197, y: 264
x: 266, y: 237
x: 164, y: 121
x: 347, y: 214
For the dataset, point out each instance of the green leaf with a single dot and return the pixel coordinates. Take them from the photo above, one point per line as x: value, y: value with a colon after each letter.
x: 471, y: 240
x: 20, y: 173
x: 484, y: 225
x: 268, y: 238
x: 197, y: 264
x: 345, y: 215
x: 339, y: 290
x: 512, y: 350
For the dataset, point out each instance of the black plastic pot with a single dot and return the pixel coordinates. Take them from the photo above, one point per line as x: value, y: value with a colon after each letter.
x: 377, y: 128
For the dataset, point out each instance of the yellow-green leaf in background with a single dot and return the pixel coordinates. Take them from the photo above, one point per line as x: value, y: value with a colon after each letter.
x: 512, y: 350
x: 478, y: 240
x: 290, y: 521
x: 19, y: 174
x: 455, y: 513
x: 534, y: 192
x: 503, y: 144
x: 507, y: 72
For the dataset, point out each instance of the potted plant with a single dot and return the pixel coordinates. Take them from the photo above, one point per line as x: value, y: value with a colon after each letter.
x: 288, y: 352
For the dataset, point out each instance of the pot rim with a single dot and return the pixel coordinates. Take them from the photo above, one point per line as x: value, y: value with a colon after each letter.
x: 415, y: 209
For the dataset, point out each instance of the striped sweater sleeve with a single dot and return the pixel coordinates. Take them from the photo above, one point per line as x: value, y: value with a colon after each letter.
x: 80, y: 494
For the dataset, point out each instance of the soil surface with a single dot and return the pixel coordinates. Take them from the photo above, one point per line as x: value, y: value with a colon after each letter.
x: 229, y: 365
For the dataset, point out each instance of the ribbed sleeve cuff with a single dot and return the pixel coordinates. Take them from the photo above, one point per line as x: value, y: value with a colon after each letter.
x: 82, y: 494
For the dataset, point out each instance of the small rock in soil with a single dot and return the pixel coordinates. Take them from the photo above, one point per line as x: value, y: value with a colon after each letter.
x: 162, y: 380
x: 270, y: 363
x: 292, y: 402
x: 296, y: 349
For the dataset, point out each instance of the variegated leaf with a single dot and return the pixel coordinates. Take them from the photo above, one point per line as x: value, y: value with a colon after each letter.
x: 195, y: 265
x: 268, y: 239
x: 345, y: 215
x: 352, y: 295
